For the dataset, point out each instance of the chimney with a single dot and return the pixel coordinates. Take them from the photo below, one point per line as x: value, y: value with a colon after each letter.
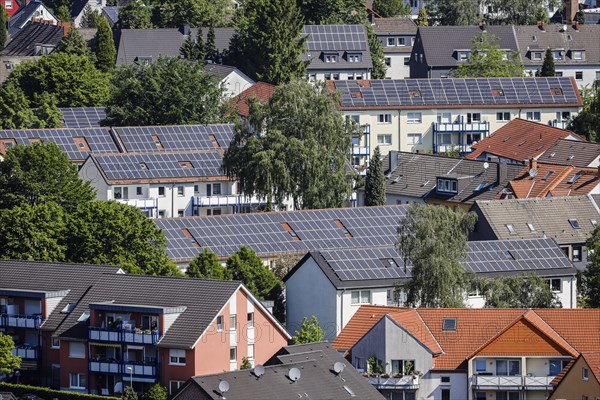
x: 66, y: 27
x: 482, y: 26
x: 185, y: 30
x: 393, y: 160
x: 501, y: 172
x: 571, y: 8
x: 576, y: 25
x: 541, y: 26
x: 533, y: 164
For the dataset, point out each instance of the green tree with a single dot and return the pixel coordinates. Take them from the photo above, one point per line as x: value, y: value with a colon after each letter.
x: 375, y: 182
x: 377, y: 56
x: 244, y: 265
x: 138, y: 95
x: 268, y: 46
x: 518, y: 12
x: 422, y: 19
x: 135, y: 15
x: 129, y: 393
x: 331, y: 12
x: 90, y: 17
x: 40, y: 173
x: 310, y: 332
x: 71, y: 79
x: 520, y: 291
x: 74, y: 43
x: 8, y: 362
x: 195, y: 13
x: 245, y: 363
x: 548, y: 65
x: 191, y: 49
x: 453, y: 12
x: 63, y: 13
x: 47, y: 113
x: 156, y: 392
x: 207, y: 265
x: 3, y: 27
x: 301, y: 153
x: 589, y: 278
x: 391, y: 8
x: 16, y: 111
x: 106, y: 232
x: 433, y: 240
x: 489, y: 61
x: 211, y: 52
x: 587, y: 122
x: 106, y: 54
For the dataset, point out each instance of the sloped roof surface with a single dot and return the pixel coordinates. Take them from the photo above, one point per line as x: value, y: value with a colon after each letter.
x: 339, y: 40
x: 260, y: 90
x: 24, y: 41
x: 579, y: 154
x: 555, y: 180
x: 23, y: 14
x: 394, y: 26
x: 360, y: 323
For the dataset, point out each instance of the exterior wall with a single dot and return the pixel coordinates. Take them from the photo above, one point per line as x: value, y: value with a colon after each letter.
x: 344, y: 74
x: 398, y: 65
x: 573, y: 386
x: 415, y: 6
x: 9, y: 63
x: 372, y: 344
x: 235, y: 83
x: 49, y: 356
x: 71, y: 365
x: 90, y: 172
x: 10, y: 6
x: 95, y: 5
x: 589, y: 73
x: 400, y: 345
x: 431, y: 385
x: 344, y: 302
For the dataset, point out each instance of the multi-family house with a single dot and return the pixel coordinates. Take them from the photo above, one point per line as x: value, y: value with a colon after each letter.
x: 338, y: 52
x: 10, y: 6
x: 397, y: 36
x: 438, y: 115
x: 83, y: 117
x: 275, y: 234
x: 32, y: 10
x: 579, y: 380
x: 333, y: 284
x: 474, y: 354
x: 568, y: 220
x: 576, y: 153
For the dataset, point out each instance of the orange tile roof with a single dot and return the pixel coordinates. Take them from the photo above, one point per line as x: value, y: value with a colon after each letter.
x: 593, y: 361
x: 562, y: 373
x: 260, y: 90
x: 520, y: 140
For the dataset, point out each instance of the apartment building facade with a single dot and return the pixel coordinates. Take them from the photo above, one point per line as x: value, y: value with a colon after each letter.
x: 397, y: 36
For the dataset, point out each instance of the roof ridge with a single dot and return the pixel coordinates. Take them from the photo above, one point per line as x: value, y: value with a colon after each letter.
x: 539, y: 320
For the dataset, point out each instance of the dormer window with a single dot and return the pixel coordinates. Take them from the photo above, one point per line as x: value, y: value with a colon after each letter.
x: 391, y: 41
x: 536, y: 55
x: 558, y: 55
x: 577, y: 54
x: 463, y: 56
x: 354, y: 58
x: 331, y: 58
x: 447, y: 185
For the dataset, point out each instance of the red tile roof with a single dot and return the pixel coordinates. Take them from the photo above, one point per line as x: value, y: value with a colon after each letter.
x: 520, y: 140
x: 593, y: 361
x: 260, y: 90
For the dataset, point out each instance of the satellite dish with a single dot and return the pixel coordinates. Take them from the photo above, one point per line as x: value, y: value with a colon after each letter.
x: 294, y: 374
x: 486, y: 165
x: 338, y: 367
x: 533, y: 172
x: 223, y: 386
x: 565, y: 28
x: 259, y: 371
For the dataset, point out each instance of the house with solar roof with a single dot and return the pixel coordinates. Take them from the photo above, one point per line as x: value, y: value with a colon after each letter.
x: 438, y: 115
x: 333, y: 284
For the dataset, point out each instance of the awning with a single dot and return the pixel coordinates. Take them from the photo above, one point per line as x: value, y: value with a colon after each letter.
x: 134, y: 347
x: 137, y: 379
x: 106, y: 344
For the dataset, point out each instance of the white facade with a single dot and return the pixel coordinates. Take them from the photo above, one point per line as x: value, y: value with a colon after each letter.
x: 315, y: 75
x: 584, y: 75
x: 95, y: 5
x: 396, y: 52
x: 236, y: 82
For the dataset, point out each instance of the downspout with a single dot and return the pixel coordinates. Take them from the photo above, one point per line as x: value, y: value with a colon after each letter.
x: 341, y: 312
x: 173, y: 200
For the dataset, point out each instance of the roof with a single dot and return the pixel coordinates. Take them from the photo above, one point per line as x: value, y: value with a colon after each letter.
x: 579, y: 154
x: 414, y: 324
x: 24, y: 14
x: 43, y: 276
x: 77, y: 7
x: 220, y: 71
x: 276, y: 233
x: 394, y: 26
x: 520, y: 140
x: 24, y: 42
x: 201, y: 301
x: 318, y: 380
x: 441, y: 42
x: 260, y: 90
x: 548, y: 216
x: 457, y: 92
x: 531, y: 39
x: 416, y: 176
x: 593, y: 361
x: 111, y: 13
x: 82, y: 117
x: 384, y: 266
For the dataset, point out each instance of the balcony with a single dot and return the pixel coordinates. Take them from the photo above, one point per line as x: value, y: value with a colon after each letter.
x: 461, y: 127
x: 538, y: 382
x: 144, y: 204
x: 112, y: 366
x: 227, y: 200
x: 122, y: 336
x: 360, y: 151
x: 21, y: 321
x: 403, y: 382
x: 26, y: 352
x: 513, y: 382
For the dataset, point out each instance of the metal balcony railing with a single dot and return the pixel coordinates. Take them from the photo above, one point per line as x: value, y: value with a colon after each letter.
x: 403, y: 382
x: 26, y: 352
x: 528, y: 382
x: 111, y: 366
x: 123, y: 336
x: 21, y: 321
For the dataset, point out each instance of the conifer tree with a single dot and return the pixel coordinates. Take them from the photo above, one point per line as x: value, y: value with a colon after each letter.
x: 211, y: 53
x: 73, y: 43
x: 3, y: 27
x: 90, y: 17
x: 548, y: 66
x: 375, y: 181
x: 422, y: 18
x: 63, y: 13
x: 106, y: 54
x: 191, y: 49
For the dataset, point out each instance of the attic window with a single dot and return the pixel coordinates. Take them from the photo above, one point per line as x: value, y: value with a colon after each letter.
x: 143, y: 59
x: 449, y: 324
x: 356, y: 95
x: 186, y: 164
x: 548, y: 175
x: 214, y: 141
x: 574, y: 223
x: 556, y: 91
x: 389, y: 262
x: 143, y: 166
x: 534, y: 38
x: 497, y: 92
x: 345, y: 231
x: 68, y: 308
x: 594, y: 222
x: 511, y: 229
x: 84, y: 316
x: 81, y: 144
x: 530, y: 226
x: 414, y: 94
x: 481, y: 186
x: 574, y: 178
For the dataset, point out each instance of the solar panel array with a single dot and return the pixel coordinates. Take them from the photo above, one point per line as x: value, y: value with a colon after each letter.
x: 440, y: 92
x: 335, y: 37
x: 175, y: 137
x: 267, y: 235
x: 98, y: 139
x: 163, y: 165
x: 83, y: 117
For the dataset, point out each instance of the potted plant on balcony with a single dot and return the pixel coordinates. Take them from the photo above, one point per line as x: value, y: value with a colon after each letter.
x: 373, y: 367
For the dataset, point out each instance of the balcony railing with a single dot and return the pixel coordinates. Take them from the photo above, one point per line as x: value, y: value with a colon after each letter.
x: 110, y: 366
x: 461, y: 127
x: 26, y: 352
x: 358, y: 150
x: 530, y: 382
x: 403, y: 382
x: 542, y: 382
x: 226, y: 200
x: 464, y: 148
x: 122, y: 336
x: 139, y: 203
x: 21, y: 321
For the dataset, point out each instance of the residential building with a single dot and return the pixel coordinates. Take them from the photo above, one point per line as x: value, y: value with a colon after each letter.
x: 469, y: 353
x: 10, y: 6
x: 397, y: 36
x: 78, y: 8
x: 275, y: 234
x: 579, y: 154
x: 452, y: 182
x: 438, y: 115
x: 83, y: 117
x: 440, y: 49
x: 567, y: 220
x: 333, y: 284
x: 521, y: 140
x: 338, y: 52
x: 573, y: 48
x: 314, y: 371
x: 111, y: 13
x: 234, y: 81
x: 260, y: 91
x: 580, y: 380
x: 31, y: 10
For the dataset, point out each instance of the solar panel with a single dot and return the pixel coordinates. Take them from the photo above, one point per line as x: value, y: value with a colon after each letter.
x: 335, y: 37
x: 83, y: 117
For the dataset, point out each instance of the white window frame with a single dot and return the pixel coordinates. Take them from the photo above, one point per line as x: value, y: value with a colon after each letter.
x: 234, y: 358
x: 384, y: 139
x: 80, y: 381
x: 391, y: 42
x: 414, y: 118
x: 504, y: 116
x: 577, y: 55
x: 219, y: 323
x: 361, y: 297
x: 410, y: 138
x: 232, y: 322
x: 550, y: 283
x: 447, y: 186
x: 178, y: 384
x: 581, y: 74
x: 251, y: 351
x: 216, y: 189
x: 250, y: 319
x: 534, y: 115
x: 384, y: 118
x: 536, y: 56
x: 55, y: 343
x: 76, y: 350
x: 177, y: 357
x: 164, y: 191
x: 8, y: 4
x: 388, y: 61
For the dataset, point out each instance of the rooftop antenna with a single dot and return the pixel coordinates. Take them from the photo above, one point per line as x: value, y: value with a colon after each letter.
x: 338, y: 367
x: 223, y: 388
x: 259, y: 370
x: 294, y: 374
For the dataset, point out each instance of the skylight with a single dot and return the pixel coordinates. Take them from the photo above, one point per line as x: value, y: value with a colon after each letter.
x: 481, y: 186
x: 594, y: 222
x: 531, y: 227
x: 574, y: 223
x: 548, y: 175
x: 449, y: 324
x: 574, y: 178
x: 511, y: 229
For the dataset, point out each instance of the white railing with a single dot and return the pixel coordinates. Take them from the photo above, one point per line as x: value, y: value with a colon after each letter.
x: 360, y: 150
x: 493, y: 380
x: 538, y: 380
x: 22, y: 321
x: 460, y: 127
x: 226, y: 200
x: 403, y: 381
x: 139, y: 203
x: 449, y: 147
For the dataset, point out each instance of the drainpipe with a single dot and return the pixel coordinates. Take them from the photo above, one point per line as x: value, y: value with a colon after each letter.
x: 341, y: 312
x: 172, y: 200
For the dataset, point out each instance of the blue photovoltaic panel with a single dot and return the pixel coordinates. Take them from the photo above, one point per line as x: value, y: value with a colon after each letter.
x: 83, y: 117
x: 335, y: 37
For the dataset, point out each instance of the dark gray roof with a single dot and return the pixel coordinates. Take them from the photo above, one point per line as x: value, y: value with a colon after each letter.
x: 222, y: 36
x: 111, y: 13
x: 452, y: 93
x: 24, y: 14
x: 271, y: 234
x: 416, y: 176
x: 532, y: 39
x: 441, y: 42
x: 77, y: 7
x: 384, y: 266
x: 549, y: 217
x: 83, y: 117
x: 318, y: 379
x: 201, y: 299
x: 220, y: 71
x: 571, y: 152
x: 53, y: 277
x: 24, y: 42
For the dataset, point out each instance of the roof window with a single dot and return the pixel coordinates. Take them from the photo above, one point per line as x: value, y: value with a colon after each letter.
x: 511, y: 229
x: 449, y: 324
x: 143, y: 165
x: 548, y: 175
x: 414, y: 93
x: 497, y: 92
x: 530, y: 226
x: 574, y: 223
x: 481, y: 186
x: 594, y: 222
x: 574, y: 178
x: 185, y: 164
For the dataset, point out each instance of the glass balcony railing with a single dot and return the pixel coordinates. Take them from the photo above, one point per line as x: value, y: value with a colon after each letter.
x: 26, y: 352
x: 21, y: 321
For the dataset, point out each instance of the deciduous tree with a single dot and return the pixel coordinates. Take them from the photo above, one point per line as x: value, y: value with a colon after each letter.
x: 135, y: 15
x: 489, y: 61
x: 8, y: 362
x: 520, y: 291
x: 375, y: 182
x: 391, y: 8
x: 245, y: 363
x: 63, y: 13
x: 106, y: 53
x: 156, y: 392
x: 194, y: 13
x: 310, y: 332
x: 3, y: 27
x: 318, y: 12
x: 129, y: 393
x: 453, y: 12
x: 74, y: 43
x: 587, y: 122
x: 589, y: 279
x: 16, y: 111
x: 518, y: 12
x: 207, y: 265
x: 548, y: 65
x: 244, y: 265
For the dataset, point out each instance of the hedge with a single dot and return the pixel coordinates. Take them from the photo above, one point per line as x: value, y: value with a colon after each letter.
x: 48, y: 394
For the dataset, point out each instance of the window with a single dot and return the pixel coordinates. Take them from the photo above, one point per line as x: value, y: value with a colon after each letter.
x: 196, y: 189
x: 445, y: 379
x: 180, y: 191
x: 557, y: 55
x: 473, y: 138
x: 121, y: 192
x: 537, y: 56
x: 554, y: 284
x: 449, y: 324
x: 216, y: 188
x: 360, y: 297
x: 250, y: 319
x: 480, y: 365
x: 480, y: 396
x: 250, y: 351
x: 414, y: 118
x: 162, y: 213
x: 232, y: 322
x: 507, y: 396
x: 327, y: 76
x: 577, y: 253
x: 180, y: 213
x: 331, y: 58
x: 447, y: 185
x: 139, y: 191
x: 577, y: 55
x: 233, y: 353
x: 559, y: 74
x: 585, y: 374
x: 336, y: 76
x: 574, y: 223
x: 391, y: 41
x: 55, y: 343
x: 415, y: 138
x: 8, y: 4
x: 401, y: 41
x: 503, y: 116
x: 579, y: 75
x: 354, y: 58
x: 444, y: 118
x: 404, y: 367
x: 177, y: 357
x: 406, y: 60
x: 473, y: 117
x: 556, y: 366
x: 508, y: 367
x: 220, y: 323
x: 161, y: 191
x: 174, y: 386
x: 384, y: 139
x: 445, y: 394
x: 531, y: 227
x: 463, y: 56
x: 563, y: 116
x: 511, y: 229
x: 76, y: 350
x: 388, y: 61
x: 384, y: 118
x: 77, y: 381
x: 534, y: 115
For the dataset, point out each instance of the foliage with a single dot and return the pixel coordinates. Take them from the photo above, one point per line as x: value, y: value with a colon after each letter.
x: 168, y: 91
x: 63, y: 14
x: 74, y: 43
x: 211, y: 52
x: 90, y: 17
x: 268, y: 46
x: 488, y: 61
x: 541, y: 15
x: 422, y: 19
x: 41, y: 173
x: 129, y: 393
x: 451, y: 151
x: 301, y: 153
x: 107, y: 232
x: 589, y: 279
x: 8, y: 362
x: 373, y: 366
x: 518, y: 12
x: 520, y: 291
x: 245, y: 363
x: 587, y: 122
x: 453, y: 12
x: 191, y: 49
x: 46, y: 393
x: 375, y: 182
x: 195, y: 13
x: 434, y: 241
x: 548, y: 65
x: 284, y: 264
x: 319, y: 12
x: 156, y: 392
x: 391, y: 8
x: 3, y: 27
x: 207, y: 265
x: 377, y: 56
x: 310, y: 332
x: 16, y: 111
x: 244, y: 265
x: 106, y: 53
x: 135, y: 15
x: 72, y: 80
